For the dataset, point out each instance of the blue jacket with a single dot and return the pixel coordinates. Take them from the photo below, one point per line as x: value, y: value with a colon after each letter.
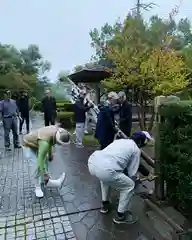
x: 105, y: 127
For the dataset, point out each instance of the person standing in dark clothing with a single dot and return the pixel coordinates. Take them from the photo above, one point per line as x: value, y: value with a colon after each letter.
x: 125, y: 114
x: 49, y: 108
x: 105, y: 127
x: 23, y: 105
x: 80, y: 109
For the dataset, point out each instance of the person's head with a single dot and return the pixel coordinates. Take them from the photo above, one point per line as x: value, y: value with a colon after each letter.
x: 122, y: 97
x: 7, y: 94
x: 112, y: 98
x: 141, y: 138
x: 62, y: 137
x: 47, y: 93
x: 24, y: 93
x: 82, y: 94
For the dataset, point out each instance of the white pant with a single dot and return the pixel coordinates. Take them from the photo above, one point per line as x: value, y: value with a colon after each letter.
x: 118, y: 180
x: 79, y: 133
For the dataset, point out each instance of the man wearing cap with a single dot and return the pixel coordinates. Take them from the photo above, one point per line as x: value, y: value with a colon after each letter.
x: 10, y: 114
x: 49, y: 108
x: 108, y: 166
x: 80, y: 109
x: 125, y: 114
x: 105, y: 127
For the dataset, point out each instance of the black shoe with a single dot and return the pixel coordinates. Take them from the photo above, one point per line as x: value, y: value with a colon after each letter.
x: 17, y: 146
x: 125, y: 219
x: 20, y: 133
x: 105, y: 208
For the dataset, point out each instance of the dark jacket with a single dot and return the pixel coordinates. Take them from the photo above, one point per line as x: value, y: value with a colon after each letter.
x: 23, y: 105
x: 79, y: 110
x: 126, y: 118
x: 105, y: 127
x: 49, y: 106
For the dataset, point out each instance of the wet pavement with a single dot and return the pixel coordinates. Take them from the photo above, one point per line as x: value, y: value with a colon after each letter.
x: 71, y: 213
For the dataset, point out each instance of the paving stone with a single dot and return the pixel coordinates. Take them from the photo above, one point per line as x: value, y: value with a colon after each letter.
x: 19, y: 209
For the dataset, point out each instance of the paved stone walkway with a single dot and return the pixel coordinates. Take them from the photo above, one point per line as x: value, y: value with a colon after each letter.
x: 72, y: 213
x: 22, y: 216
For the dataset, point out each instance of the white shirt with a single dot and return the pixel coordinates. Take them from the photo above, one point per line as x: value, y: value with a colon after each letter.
x: 120, y: 154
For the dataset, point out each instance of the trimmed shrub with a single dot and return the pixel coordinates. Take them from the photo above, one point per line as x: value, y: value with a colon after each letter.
x: 65, y: 106
x: 67, y: 119
x: 176, y: 151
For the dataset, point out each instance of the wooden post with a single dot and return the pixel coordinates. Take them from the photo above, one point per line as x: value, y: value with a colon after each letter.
x: 159, y: 182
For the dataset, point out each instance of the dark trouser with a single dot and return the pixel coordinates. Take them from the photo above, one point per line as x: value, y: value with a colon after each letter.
x: 49, y: 119
x: 10, y: 123
x: 25, y: 117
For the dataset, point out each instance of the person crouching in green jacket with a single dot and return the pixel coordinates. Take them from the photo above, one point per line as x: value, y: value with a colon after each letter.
x: 39, y: 144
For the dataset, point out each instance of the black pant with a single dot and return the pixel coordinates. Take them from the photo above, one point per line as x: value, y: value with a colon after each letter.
x: 25, y: 118
x: 49, y: 119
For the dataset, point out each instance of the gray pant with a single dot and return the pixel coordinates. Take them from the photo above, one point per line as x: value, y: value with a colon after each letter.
x: 79, y: 133
x: 10, y: 124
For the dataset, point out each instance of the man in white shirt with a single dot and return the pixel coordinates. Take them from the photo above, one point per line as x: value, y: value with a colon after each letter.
x: 108, y: 166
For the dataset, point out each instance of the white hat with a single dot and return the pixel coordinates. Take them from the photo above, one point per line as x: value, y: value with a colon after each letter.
x: 113, y: 95
x: 148, y: 136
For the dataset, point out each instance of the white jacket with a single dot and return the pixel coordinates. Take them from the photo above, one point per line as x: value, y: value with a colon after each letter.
x: 120, y: 154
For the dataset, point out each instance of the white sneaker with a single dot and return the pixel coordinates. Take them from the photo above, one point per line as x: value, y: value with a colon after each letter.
x: 56, y: 183
x: 86, y: 132
x: 79, y: 146
x: 38, y: 192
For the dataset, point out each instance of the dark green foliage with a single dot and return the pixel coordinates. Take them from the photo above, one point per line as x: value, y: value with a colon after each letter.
x: 67, y: 119
x: 176, y: 151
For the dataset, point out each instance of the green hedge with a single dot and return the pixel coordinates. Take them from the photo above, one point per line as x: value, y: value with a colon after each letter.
x: 65, y: 106
x: 176, y: 151
x: 61, y: 106
x: 67, y: 119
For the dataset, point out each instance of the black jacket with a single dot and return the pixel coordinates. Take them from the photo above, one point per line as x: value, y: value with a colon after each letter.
x: 49, y: 105
x: 126, y: 118
x: 79, y: 110
x: 23, y: 105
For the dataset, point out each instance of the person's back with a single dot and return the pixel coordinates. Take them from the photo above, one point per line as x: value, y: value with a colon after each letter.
x: 105, y: 131
x: 44, y: 133
x: 117, y: 155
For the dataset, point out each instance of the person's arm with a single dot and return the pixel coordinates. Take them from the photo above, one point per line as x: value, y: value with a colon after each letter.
x: 82, y: 106
x: 133, y: 166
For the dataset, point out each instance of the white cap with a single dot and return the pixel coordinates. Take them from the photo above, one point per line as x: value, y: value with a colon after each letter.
x: 113, y: 95
x: 148, y: 136
x: 121, y: 94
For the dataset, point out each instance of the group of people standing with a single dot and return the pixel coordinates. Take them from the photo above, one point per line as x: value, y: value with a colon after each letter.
x: 105, y: 127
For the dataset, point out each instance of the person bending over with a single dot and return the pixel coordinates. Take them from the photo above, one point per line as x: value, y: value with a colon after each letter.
x: 108, y: 166
x: 40, y: 143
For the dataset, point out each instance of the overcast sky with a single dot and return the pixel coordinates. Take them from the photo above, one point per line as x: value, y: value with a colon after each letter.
x: 61, y: 28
